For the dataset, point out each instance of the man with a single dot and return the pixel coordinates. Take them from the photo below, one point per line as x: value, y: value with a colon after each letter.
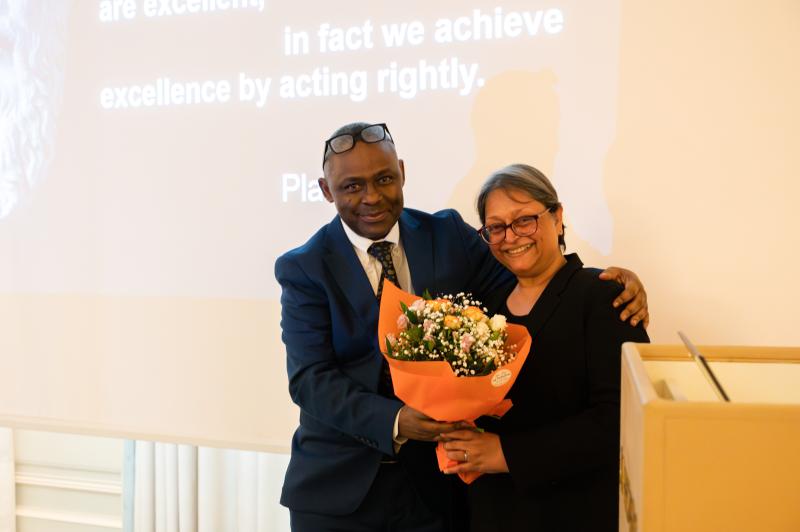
x: 361, y: 460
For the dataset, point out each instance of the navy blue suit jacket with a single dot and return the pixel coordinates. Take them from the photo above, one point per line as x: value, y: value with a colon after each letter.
x: 330, y: 321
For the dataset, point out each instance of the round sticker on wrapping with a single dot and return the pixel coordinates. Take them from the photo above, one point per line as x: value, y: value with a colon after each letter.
x: 501, y: 377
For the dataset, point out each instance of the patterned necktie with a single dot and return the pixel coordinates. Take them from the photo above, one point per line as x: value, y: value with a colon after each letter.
x: 383, y: 252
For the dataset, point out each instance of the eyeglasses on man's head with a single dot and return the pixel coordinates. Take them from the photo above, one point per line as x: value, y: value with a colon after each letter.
x: 346, y: 141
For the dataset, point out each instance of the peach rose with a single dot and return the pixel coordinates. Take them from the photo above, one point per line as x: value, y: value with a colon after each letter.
x: 475, y: 314
x: 452, y: 322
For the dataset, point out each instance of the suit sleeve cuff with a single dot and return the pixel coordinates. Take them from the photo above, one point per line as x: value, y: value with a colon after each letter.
x: 397, y: 440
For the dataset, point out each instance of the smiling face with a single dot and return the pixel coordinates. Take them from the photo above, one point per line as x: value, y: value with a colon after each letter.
x: 528, y: 257
x: 366, y: 185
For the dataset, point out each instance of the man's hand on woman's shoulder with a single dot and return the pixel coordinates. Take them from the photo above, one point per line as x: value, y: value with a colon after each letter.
x: 633, y: 294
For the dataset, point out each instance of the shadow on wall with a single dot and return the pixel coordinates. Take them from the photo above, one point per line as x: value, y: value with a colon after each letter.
x: 515, y: 119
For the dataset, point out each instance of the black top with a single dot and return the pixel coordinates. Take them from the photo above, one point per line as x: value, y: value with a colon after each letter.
x: 561, y: 438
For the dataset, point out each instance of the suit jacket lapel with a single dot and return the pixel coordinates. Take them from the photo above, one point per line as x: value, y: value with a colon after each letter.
x: 418, y: 247
x: 348, y: 272
x: 551, y: 296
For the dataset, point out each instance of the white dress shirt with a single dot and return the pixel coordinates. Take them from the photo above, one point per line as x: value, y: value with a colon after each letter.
x: 372, y: 266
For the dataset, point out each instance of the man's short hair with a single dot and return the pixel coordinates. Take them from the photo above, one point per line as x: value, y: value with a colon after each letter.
x: 352, y: 128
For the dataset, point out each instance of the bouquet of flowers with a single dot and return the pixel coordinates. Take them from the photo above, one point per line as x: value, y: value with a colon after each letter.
x: 448, y: 359
x: 453, y: 329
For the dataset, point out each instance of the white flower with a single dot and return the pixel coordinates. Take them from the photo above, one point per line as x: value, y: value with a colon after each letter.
x: 482, y: 330
x: 498, y: 322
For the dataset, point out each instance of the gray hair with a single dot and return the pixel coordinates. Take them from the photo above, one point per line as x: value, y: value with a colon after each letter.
x: 524, y: 178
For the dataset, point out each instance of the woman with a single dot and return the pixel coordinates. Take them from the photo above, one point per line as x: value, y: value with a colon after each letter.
x: 551, y: 463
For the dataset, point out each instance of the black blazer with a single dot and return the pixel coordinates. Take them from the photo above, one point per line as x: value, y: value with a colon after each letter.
x: 561, y: 437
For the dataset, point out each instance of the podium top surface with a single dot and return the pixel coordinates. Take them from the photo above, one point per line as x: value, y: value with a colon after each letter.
x: 761, y: 375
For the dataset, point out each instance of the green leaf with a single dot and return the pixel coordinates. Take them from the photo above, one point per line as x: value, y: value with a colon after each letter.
x: 388, y: 347
x: 426, y: 295
x: 417, y: 333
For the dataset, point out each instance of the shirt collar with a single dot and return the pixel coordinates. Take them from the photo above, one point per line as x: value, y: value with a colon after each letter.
x: 364, y: 243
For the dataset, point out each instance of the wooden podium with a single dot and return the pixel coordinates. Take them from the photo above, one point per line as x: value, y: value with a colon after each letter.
x: 690, y: 462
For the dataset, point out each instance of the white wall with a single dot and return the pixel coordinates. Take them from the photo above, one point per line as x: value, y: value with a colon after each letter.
x: 67, y: 483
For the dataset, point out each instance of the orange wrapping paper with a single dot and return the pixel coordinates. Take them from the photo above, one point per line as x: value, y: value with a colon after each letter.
x: 432, y: 387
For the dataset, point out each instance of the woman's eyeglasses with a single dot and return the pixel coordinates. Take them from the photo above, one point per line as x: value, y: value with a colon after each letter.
x: 522, y: 226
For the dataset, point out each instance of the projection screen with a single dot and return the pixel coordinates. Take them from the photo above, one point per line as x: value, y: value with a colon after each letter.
x: 157, y: 156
